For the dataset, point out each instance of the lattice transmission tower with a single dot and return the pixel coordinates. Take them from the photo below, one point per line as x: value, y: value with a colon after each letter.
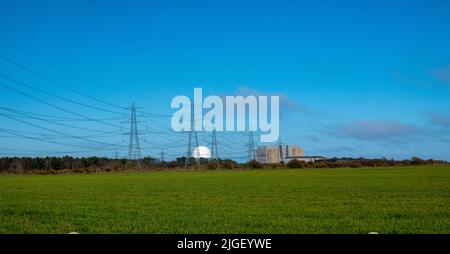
x: 214, y: 150
x: 251, y: 155
x: 134, y: 150
x: 162, y: 159
x: 192, y: 134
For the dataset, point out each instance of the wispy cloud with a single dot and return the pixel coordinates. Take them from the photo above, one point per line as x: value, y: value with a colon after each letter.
x: 285, y: 102
x: 442, y: 73
x: 439, y: 119
x: 393, y: 132
x: 412, y: 79
x: 376, y: 131
x: 338, y: 150
x: 313, y: 138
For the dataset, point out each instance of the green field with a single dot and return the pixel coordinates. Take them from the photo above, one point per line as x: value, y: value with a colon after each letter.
x: 385, y: 200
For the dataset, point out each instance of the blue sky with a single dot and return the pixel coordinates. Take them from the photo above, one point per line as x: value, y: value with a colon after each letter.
x: 357, y: 78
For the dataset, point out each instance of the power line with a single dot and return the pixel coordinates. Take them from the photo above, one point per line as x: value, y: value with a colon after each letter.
x: 52, y: 136
x: 55, y: 131
x: 48, y: 79
x: 55, y: 152
x: 30, y: 116
x: 59, y: 97
x: 55, y: 106
x: 61, y: 118
x: 48, y: 140
x: 58, y: 83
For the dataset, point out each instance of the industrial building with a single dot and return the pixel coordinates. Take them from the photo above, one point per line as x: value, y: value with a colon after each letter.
x: 285, y: 153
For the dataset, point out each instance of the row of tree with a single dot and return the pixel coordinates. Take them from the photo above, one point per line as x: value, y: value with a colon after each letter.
x: 361, y: 162
x: 67, y: 164
x: 52, y: 165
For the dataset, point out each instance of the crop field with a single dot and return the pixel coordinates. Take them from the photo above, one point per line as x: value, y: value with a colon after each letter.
x: 386, y: 200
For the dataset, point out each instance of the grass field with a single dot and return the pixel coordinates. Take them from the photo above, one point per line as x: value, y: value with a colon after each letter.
x: 386, y: 200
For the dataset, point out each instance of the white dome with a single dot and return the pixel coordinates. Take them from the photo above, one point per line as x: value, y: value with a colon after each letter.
x: 201, y: 152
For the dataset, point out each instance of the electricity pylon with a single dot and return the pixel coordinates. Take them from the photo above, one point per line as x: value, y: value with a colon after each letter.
x: 134, y: 150
x: 251, y: 155
x: 192, y: 132
x: 162, y: 155
x: 214, y: 150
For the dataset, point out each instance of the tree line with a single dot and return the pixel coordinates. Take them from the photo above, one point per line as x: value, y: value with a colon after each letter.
x: 68, y: 164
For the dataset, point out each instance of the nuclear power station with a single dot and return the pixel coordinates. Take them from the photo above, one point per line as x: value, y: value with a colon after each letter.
x: 283, y: 153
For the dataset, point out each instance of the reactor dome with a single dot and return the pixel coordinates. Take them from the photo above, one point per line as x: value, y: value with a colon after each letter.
x: 201, y: 152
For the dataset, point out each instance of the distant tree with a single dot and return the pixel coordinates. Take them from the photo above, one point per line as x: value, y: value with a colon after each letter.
x: 254, y: 164
x: 417, y: 161
x: 294, y: 163
x: 212, y: 165
x: 281, y: 164
x: 172, y: 164
x: 16, y: 167
x: 229, y: 164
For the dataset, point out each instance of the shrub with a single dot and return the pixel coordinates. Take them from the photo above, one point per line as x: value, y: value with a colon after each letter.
x: 172, y: 164
x: 16, y: 167
x: 78, y: 170
x: 212, y: 165
x: 52, y: 172
x: 228, y: 164
x: 254, y: 164
x: 295, y: 164
x: 355, y: 165
x: 417, y: 161
x: 41, y: 172
x: 64, y: 171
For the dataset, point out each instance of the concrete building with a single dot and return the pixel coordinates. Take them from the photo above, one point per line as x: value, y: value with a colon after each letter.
x: 305, y: 158
x: 278, y: 153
